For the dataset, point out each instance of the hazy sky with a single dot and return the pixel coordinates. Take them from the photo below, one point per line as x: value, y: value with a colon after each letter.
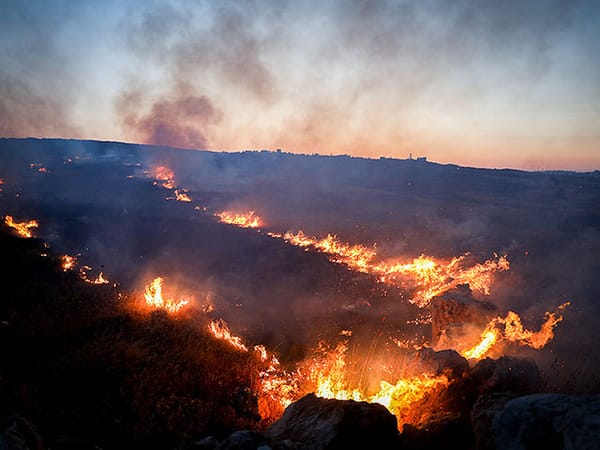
x: 482, y: 83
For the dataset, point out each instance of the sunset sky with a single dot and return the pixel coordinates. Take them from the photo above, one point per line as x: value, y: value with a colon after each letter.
x: 482, y: 83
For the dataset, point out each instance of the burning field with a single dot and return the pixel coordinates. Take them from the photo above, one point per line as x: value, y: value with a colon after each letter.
x: 204, y: 293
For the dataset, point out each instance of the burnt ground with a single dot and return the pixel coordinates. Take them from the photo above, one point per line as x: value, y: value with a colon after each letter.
x: 547, y: 223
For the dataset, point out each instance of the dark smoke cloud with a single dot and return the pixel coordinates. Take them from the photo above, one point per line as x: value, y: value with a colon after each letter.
x: 224, y: 46
x: 180, y: 120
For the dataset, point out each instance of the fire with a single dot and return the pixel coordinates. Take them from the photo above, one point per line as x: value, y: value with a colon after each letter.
x: 23, y: 229
x: 243, y: 220
x: 426, y: 275
x: 277, y: 388
x: 68, y: 262
x: 182, y: 196
x: 220, y: 330
x: 166, y: 175
x: 332, y: 377
x: 1, y: 183
x: 100, y: 279
x: 511, y: 329
x: 154, y: 297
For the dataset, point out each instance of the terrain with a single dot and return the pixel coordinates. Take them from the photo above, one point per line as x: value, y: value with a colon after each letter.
x: 95, y: 351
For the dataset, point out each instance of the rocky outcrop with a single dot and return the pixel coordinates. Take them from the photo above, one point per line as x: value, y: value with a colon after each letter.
x: 548, y: 421
x: 506, y: 374
x: 455, y: 313
x: 316, y: 423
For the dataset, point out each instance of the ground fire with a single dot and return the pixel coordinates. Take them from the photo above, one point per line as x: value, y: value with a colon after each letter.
x: 153, y: 295
x: 428, y: 276
x: 243, y: 220
x: 23, y: 229
x: 165, y: 176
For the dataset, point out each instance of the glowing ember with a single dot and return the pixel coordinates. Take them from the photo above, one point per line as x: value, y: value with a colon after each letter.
x: 68, y: 262
x: 23, y: 229
x: 247, y: 220
x: 100, y: 279
x: 182, y: 196
x: 165, y: 175
x: 427, y: 276
x: 511, y: 329
x: 154, y: 297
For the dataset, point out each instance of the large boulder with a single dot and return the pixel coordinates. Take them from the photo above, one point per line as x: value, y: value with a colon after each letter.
x: 484, y: 410
x: 548, y: 421
x: 317, y: 423
x: 456, y: 314
x: 506, y: 374
x: 427, y: 360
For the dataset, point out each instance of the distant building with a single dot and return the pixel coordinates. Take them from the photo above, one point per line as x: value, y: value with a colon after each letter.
x: 421, y: 158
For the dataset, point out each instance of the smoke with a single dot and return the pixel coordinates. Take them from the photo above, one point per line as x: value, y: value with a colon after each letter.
x: 181, y: 120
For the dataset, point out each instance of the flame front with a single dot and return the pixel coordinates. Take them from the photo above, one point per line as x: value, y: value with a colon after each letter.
x: 426, y: 275
x: 154, y: 297
x: 220, y: 330
x: 243, y: 220
x: 23, y: 229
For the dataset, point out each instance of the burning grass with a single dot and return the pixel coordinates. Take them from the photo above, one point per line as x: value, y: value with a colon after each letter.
x: 80, y: 361
x: 243, y: 220
x: 23, y: 229
x: 425, y: 276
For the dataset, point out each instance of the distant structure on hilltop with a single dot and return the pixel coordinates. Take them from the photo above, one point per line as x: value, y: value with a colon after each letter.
x: 419, y: 158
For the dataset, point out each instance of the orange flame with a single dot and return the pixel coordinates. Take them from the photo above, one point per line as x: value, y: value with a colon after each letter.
x: 430, y: 277
x: 182, y: 196
x: 243, y: 220
x: 154, y: 297
x: 332, y: 379
x: 166, y: 175
x: 511, y: 329
x: 23, y: 229
x: 220, y: 330
x: 100, y: 279
x: 68, y: 262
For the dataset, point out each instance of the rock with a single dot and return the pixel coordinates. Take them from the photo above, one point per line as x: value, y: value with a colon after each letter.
x: 246, y: 440
x: 317, y: 423
x: 506, y: 374
x: 482, y: 415
x: 208, y: 443
x: 452, y: 433
x: 455, y: 313
x: 17, y: 433
x: 548, y: 421
x: 427, y: 360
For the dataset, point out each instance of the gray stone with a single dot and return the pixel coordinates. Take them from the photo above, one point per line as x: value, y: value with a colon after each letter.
x: 548, y: 421
x: 506, y: 374
x: 316, y: 423
x: 246, y: 440
x: 484, y: 410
